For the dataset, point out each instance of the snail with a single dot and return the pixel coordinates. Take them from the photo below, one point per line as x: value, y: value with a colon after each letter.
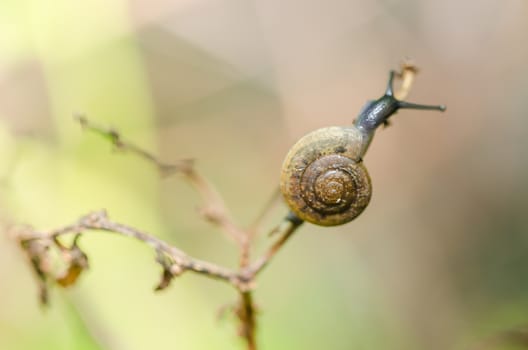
x: 323, y: 179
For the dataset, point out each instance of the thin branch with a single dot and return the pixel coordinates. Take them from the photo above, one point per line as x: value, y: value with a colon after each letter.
x: 254, y: 228
x: 285, y: 230
x: 176, y: 261
x: 213, y: 210
x: 245, y: 252
x: 246, y: 312
x: 115, y: 138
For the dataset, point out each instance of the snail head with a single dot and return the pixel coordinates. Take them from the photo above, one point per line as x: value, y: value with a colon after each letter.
x: 376, y: 113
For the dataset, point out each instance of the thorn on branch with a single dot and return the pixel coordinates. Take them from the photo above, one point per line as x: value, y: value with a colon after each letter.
x: 212, y: 214
x: 170, y: 270
x: 94, y: 219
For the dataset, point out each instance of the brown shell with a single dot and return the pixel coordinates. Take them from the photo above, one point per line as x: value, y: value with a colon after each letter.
x: 323, y: 179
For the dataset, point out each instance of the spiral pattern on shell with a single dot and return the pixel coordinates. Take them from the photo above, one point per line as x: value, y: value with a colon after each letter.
x: 323, y: 179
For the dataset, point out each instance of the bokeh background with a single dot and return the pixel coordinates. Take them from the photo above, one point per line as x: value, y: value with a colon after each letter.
x: 439, y: 260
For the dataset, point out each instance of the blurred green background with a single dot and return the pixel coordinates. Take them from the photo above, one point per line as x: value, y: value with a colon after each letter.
x: 439, y: 260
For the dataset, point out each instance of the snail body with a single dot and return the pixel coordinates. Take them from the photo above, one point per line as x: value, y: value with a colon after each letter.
x: 323, y: 179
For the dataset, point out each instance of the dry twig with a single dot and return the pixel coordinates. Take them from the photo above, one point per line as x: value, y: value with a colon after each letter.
x: 407, y: 73
x: 174, y: 262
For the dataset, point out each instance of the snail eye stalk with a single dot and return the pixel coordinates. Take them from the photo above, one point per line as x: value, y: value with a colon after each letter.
x: 408, y: 105
x: 389, y: 90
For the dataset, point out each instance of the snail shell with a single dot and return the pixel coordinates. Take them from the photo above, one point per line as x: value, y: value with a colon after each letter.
x: 323, y: 178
